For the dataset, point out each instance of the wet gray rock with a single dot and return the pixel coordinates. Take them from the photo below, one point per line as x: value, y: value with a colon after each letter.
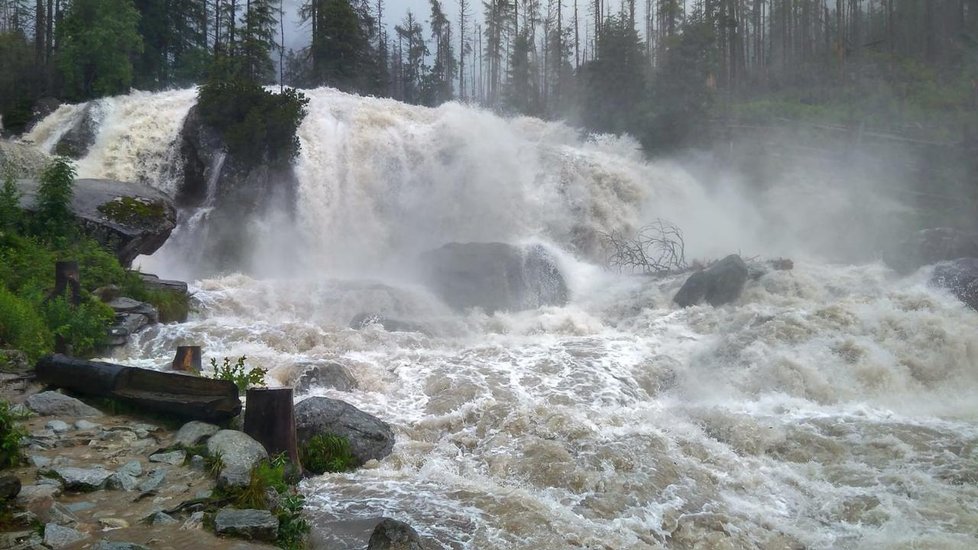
x: 173, y: 458
x: 364, y: 320
x: 153, y: 480
x: 494, y: 276
x: 930, y: 246
x: 57, y: 426
x: 195, y: 521
x: 719, y: 284
x: 162, y: 518
x: 233, y: 476
x: 391, y: 534
x: 85, y: 425
x: 133, y: 468
x: 370, y: 437
x: 39, y: 461
x: 194, y: 432
x: 30, y: 493
x: 960, y: 277
x: 82, y: 479
x: 80, y: 506
x: 325, y: 375
x: 247, y: 524
x: 57, y: 536
x: 238, y: 450
x: 51, y: 403
x: 76, y: 142
x: 122, y: 481
x: 133, y: 231
x: 198, y: 463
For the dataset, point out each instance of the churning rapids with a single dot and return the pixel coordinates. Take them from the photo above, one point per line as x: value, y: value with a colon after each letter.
x: 832, y: 406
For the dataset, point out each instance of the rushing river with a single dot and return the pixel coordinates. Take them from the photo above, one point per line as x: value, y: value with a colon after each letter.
x: 831, y: 406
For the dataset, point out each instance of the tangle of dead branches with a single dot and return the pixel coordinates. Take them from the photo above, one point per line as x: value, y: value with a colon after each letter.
x: 655, y: 248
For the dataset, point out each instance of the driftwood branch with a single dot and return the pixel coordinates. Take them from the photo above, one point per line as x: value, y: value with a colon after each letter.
x: 655, y: 248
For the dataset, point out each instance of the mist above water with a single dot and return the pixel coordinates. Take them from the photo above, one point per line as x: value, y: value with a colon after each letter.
x: 830, y: 406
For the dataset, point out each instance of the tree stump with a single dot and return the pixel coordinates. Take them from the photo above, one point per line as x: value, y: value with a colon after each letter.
x: 270, y: 420
x: 67, y: 278
x: 187, y: 359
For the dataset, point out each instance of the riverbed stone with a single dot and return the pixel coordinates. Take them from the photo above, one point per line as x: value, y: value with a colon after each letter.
x: 85, y: 425
x: 133, y: 468
x: 173, y: 458
x: 57, y: 426
x: 719, y: 284
x: 162, y: 518
x: 248, y: 524
x: 194, y: 432
x: 239, y: 453
x: 82, y: 479
x: 153, y: 480
x: 51, y: 403
x: 391, y: 534
x: 109, y: 545
x: 369, y: 436
x: 9, y: 487
x: 57, y: 536
x: 122, y: 481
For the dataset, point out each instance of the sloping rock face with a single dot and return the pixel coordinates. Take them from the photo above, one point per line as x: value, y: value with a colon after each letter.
x: 960, y: 277
x: 494, y: 276
x: 929, y: 246
x: 369, y: 436
x: 719, y: 284
x: 127, y: 218
x: 76, y: 142
x: 239, y: 191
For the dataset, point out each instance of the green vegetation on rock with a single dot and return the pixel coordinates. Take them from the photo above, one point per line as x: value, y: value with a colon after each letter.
x: 236, y: 373
x: 327, y: 453
x: 134, y: 211
x: 10, y: 435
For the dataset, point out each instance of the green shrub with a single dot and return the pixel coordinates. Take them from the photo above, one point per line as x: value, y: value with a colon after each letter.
x: 9, y: 204
x: 82, y: 327
x: 53, y: 218
x: 22, y: 327
x: 10, y: 434
x: 328, y: 453
x: 292, y: 528
x: 237, y: 374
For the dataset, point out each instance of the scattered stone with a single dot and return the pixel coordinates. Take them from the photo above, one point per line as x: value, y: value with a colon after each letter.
x: 173, y: 458
x: 369, y: 437
x: 80, y: 506
x: 122, y: 481
x: 114, y: 523
x: 391, y: 534
x: 194, y: 432
x: 51, y: 403
x: 247, y: 524
x: 142, y: 430
x: 153, y: 480
x: 85, y: 425
x: 204, y: 494
x: 14, y: 361
x: 39, y: 461
x: 57, y: 426
x: 719, y: 284
x: 107, y: 545
x: 82, y: 479
x: 133, y: 468
x: 494, y: 276
x: 198, y: 463
x: 238, y: 452
x: 195, y: 521
x: 234, y: 476
x: 161, y: 518
x: 60, y: 514
x: 326, y: 375
x: 56, y: 536
x: 9, y: 487
x: 31, y: 493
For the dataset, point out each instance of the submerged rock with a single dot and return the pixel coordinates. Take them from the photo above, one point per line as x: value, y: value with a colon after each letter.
x: 391, y: 534
x: 930, y: 246
x: 127, y: 218
x: 494, y: 276
x: 719, y: 284
x: 960, y: 277
x: 326, y: 375
x: 80, y: 137
x: 369, y: 437
x: 248, y: 524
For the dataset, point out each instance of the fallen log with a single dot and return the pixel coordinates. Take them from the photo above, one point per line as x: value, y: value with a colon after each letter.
x: 181, y: 395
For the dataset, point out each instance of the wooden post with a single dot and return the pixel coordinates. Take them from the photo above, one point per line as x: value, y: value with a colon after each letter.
x: 270, y: 419
x: 187, y: 359
x: 67, y: 278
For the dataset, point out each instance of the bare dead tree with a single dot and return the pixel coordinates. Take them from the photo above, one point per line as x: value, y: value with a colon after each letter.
x: 655, y: 248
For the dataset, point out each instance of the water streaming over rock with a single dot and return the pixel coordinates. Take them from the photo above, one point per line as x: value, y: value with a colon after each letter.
x: 832, y: 406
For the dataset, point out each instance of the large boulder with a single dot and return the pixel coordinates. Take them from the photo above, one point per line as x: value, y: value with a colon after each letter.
x: 929, y: 246
x: 51, y: 403
x: 325, y: 375
x: 494, y: 276
x: 719, y: 284
x: 369, y: 436
x: 239, y: 453
x: 127, y: 218
x: 960, y: 277
x: 80, y: 137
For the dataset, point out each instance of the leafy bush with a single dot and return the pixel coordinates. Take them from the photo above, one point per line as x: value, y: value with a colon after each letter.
x: 258, y: 126
x: 292, y: 528
x: 328, y: 453
x: 53, y: 218
x: 22, y: 327
x: 9, y: 204
x: 10, y: 434
x: 237, y: 374
x: 82, y: 327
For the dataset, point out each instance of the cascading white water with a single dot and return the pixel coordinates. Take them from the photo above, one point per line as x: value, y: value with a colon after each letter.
x: 829, y: 407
